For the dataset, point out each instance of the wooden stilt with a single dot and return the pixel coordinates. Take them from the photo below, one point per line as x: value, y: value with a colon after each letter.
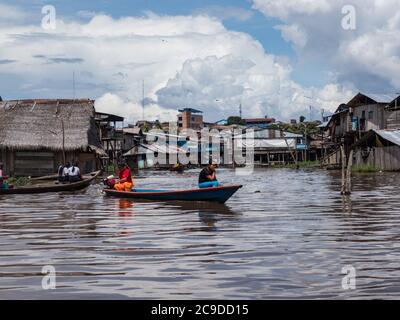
x: 343, y: 188
x: 293, y: 155
x: 348, y: 173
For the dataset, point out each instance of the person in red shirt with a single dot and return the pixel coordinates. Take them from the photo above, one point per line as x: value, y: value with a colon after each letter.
x: 125, y: 182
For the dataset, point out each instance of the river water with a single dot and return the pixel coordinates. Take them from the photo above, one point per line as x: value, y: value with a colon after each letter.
x: 285, y: 234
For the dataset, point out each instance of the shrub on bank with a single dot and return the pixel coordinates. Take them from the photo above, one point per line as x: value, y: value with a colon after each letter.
x: 365, y: 168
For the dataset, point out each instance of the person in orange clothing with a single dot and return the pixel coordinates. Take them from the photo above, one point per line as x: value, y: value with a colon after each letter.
x: 125, y: 182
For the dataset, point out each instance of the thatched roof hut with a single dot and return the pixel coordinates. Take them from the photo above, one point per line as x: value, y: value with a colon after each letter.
x: 49, y: 124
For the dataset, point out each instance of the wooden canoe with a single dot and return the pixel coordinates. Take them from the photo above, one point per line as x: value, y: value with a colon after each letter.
x: 53, y: 187
x: 177, y: 168
x: 215, y: 194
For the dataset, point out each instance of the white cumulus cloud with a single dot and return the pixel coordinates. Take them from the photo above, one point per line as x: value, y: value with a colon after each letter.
x: 185, y: 61
x: 368, y: 56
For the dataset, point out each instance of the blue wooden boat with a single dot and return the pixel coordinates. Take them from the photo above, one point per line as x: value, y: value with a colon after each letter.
x: 215, y: 194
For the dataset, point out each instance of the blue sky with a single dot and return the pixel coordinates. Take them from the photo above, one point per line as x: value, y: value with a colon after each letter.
x: 257, y: 25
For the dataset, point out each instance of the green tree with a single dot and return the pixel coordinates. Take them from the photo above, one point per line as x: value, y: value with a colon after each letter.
x: 146, y: 127
x: 235, y: 120
x: 157, y: 125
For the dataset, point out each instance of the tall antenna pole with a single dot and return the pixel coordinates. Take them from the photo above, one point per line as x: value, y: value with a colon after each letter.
x: 240, y: 110
x: 73, y: 84
x: 143, y: 100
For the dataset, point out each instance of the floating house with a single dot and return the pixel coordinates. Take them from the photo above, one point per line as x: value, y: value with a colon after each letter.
x: 272, y: 147
x: 393, y: 114
x: 143, y: 155
x: 111, y: 141
x: 36, y: 136
x: 364, y: 124
x: 379, y: 149
x: 364, y: 112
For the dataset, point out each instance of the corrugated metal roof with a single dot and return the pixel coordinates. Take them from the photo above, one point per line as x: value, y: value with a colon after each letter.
x: 155, y: 147
x: 324, y: 124
x: 190, y: 110
x: 394, y: 102
x: 292, y: 135
x: 259, y: 120
x: 268, y: 134
x: 382, y: 98
x: 268, y: 143
x: 135, y: 130
x: 390, y: 135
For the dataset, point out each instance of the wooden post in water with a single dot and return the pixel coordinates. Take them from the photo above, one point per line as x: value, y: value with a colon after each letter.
x: 63, y: 141
x: 294, y: 157
x: 233, y: 149
x: 343, y: 156
x: 348, y: 173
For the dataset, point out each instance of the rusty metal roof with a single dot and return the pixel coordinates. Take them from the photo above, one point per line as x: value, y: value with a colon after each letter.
x: 390, y: 135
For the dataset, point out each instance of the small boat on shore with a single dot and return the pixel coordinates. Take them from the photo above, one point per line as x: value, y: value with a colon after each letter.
x: 215, y: 194
x: 53, y: 186
x: 177, y: 168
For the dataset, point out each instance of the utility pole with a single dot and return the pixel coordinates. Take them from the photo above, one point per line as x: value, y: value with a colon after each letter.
x: 143, y: 100
x: 73, y: 84
x: 294, y: 156
x: 306, y: 145
x: 240, y: 110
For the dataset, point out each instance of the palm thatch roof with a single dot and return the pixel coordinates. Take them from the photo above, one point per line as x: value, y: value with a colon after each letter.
x: 38, y: 124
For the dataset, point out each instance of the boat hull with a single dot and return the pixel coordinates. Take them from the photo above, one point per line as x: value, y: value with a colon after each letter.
x: 216, y: 194
x: 52, y: 188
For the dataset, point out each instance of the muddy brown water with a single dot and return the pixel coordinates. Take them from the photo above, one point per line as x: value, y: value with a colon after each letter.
x: 285, y: 234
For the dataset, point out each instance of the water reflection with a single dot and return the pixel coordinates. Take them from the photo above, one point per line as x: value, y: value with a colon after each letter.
x: 125, y: 206
x: 347, y: 204
x: 209, y: 213
x: 286, y: 234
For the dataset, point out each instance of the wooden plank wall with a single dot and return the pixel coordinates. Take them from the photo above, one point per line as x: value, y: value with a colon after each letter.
x: 333, y: 159
x: 41, y: 163
x: 87, y: 162
x: 385, y: 159
x: 393, y: 119
x: 33, y: 163
x: 378, y: 116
